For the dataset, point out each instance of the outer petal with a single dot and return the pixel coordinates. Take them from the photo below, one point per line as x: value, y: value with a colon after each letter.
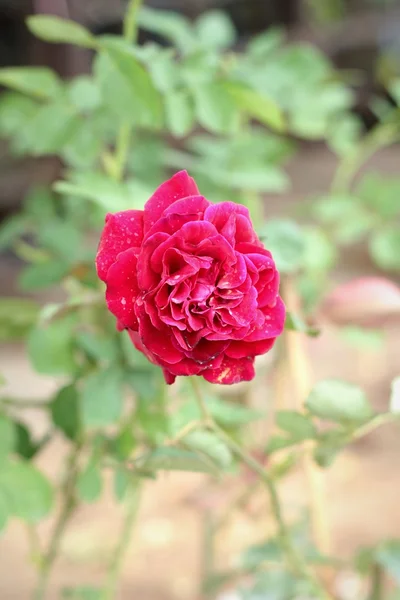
x: 274, y: 321
x: 122, y: 289
x: 231, y: 371
x: 157, y: 341
x: 122, y: 230
x: 243, y: 349
x: 179, y: 186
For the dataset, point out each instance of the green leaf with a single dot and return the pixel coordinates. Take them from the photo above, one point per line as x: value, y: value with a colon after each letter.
x: 299, y: 426
x: 124, y: 443
x: 98, y: 347
x: 28, y: 492
x: 164, y: 70
x: 39, y: 82
x: 50, y: 129
x: 43, y: 275
x: 215, y: 29
x: 254, y: 556
x: 285, y: 240
x: 278, y: 442
x: 319, y: 254
x: 65, y: 412
x: 251, y: 178
x: 211, y: 446
x: 226, y: 414
x: 139, y: 100
x: 82, y: 593
x: 339, y: 401
x: 100, y: 189
x: 172, y: 26
x: 262, y: 45
x: 325, y: 453
x: 102, y: 397
x: 122, y: 479
x: 90, y: 483
x: 25, y: 446
x: 63, y: 239
x: 10, y: 229
x: 51, y: 348
x: 17, y: 316
x: 257, y: 105
x: 388, y: 556
x: 4, y: 510
x: 385, y: 248
x: 84, y: 93
x: 215, y: 108
x: 15, y: 111
x: 179, y: 112
x: 7, y: 437
x: 175, y: 459
x: 63, y: 31
x: 295, y: 323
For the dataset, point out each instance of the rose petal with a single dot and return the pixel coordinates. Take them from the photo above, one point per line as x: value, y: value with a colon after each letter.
x: 179, y: 186
x: 274, y: 321
x: 122, y: 230
x: 191, y: 205
x: 122, y: 289
x: 235, y: 275
x: 147, y: 278
x: 245, y: 349
x: 231, y: 371
x: 157, y: 341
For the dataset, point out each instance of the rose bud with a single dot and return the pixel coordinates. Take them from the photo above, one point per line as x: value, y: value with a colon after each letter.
x: 367, y: 301
x: 192, y: 283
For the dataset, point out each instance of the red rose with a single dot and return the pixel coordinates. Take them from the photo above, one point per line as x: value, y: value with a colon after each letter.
x: 192, y: 283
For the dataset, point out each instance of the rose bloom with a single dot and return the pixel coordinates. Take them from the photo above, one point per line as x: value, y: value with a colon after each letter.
x: 192, y: 283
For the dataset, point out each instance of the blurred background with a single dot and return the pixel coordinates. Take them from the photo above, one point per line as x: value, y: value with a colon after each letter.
x: 359, y: 36
x: 362, y: 39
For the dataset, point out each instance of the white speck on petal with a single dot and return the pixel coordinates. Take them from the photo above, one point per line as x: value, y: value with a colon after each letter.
x: 123, y: 301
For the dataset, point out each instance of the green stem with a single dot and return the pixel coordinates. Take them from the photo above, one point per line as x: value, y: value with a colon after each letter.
x: 123, y: 543
x: 130, y: 21
x: 125, y: 132
x: 377, y: 580
x: 380, y: 137
x: 67, y: 508
x: 295, y: 561
x: 373, y: 424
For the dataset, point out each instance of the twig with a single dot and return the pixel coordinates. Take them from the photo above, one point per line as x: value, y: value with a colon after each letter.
x: 124, y: 135
x: 295, y: 561
x: 300, y: 371
x: 123, y: 544
x: 378, y: 138
x: 68, y: 505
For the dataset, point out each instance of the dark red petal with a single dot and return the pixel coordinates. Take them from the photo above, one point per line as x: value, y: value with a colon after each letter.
x: 157, y: 341
x: 179, y: 186
x: 147, y: 278
x: 268, y: 292
x: 274, y: 321
x: 122, y: 231
x: 122, y: 289
x: 244, y: 349
x: 231, y: 371
x: 169, y: 377
x: 191, y: 205
x: 235, y: 275
x: 137, y: 341
x: 245, y: 231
